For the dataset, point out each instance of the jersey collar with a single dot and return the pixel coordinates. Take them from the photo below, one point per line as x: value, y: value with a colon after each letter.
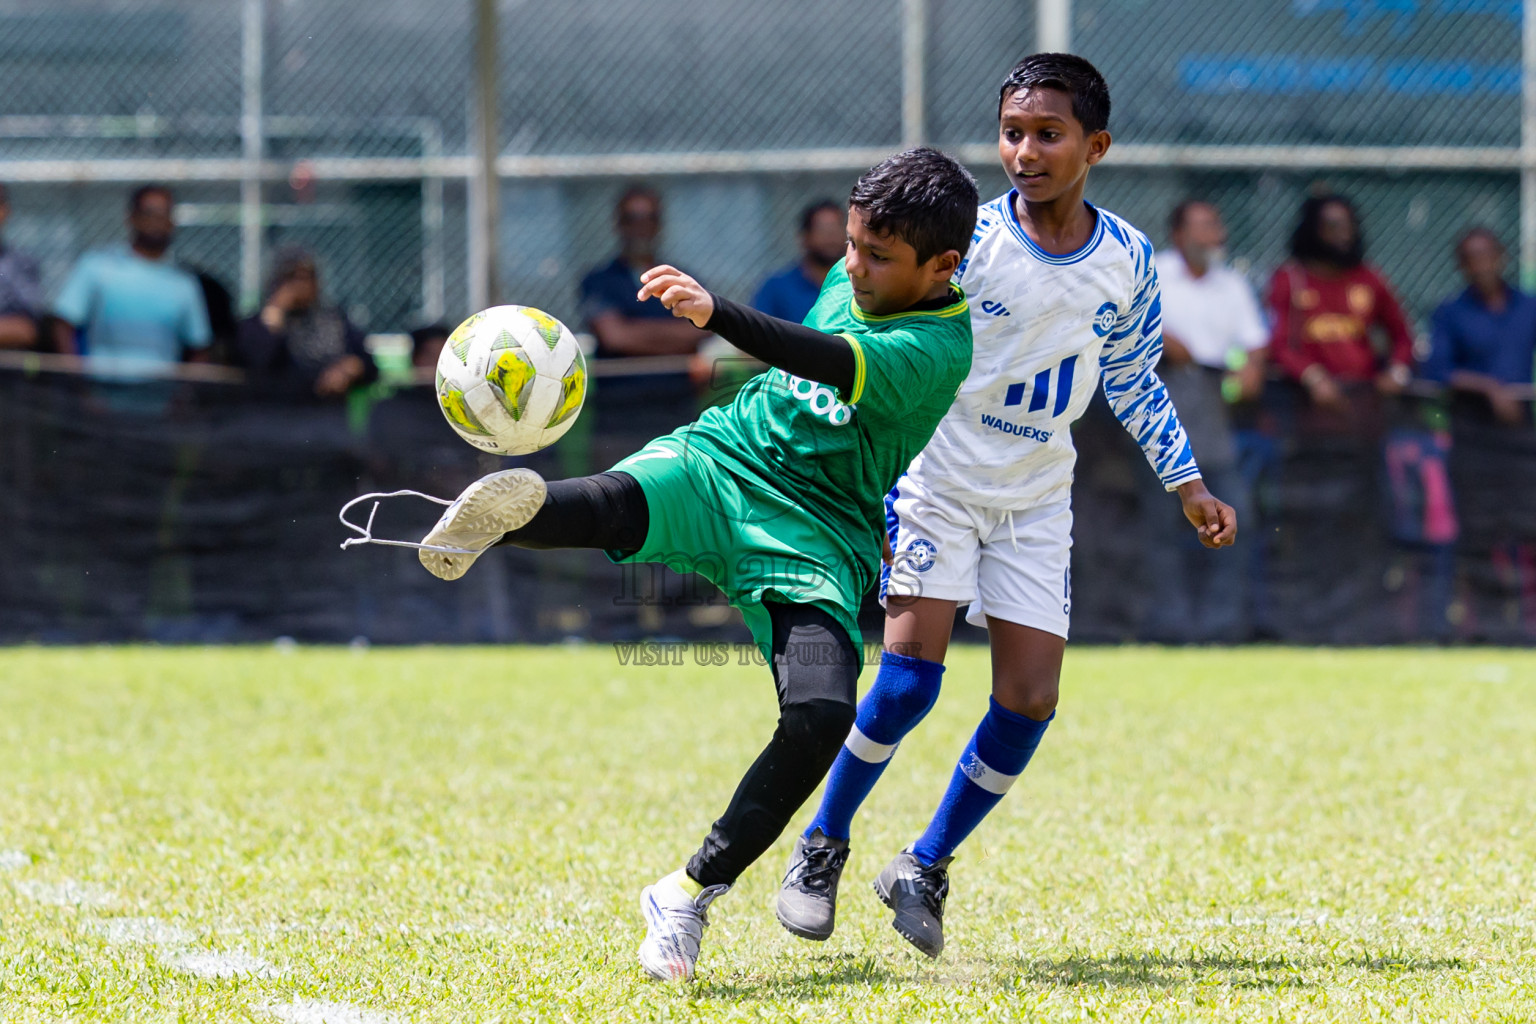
x: 1039, y: 253
x: 954, y: 308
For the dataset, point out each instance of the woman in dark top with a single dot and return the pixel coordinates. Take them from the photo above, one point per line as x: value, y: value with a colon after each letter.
x: 298, y: 344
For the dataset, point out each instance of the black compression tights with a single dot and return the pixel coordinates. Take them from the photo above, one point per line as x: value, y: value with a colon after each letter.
x: 816, y: 671
x: 606, y: 511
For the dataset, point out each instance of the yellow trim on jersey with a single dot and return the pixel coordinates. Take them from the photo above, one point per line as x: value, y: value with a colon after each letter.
x: 857, y: 391
x: 954, y: 309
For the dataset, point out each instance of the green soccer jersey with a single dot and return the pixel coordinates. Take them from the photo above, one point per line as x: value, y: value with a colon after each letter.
x: 839, y: 455
x: 802, y: 512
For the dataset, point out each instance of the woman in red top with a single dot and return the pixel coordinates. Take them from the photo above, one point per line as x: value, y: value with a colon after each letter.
x: 1324, y: 303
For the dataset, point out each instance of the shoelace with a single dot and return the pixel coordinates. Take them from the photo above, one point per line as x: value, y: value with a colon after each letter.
x: 934, y: 888
x: 685, y: 928
x: 693, y: 918
x: 819, y: 869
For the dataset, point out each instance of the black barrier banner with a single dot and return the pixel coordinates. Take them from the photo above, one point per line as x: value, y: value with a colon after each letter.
x: 206, y: 512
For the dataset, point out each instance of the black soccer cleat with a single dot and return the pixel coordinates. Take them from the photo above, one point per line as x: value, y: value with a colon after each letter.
x: 916, y: 892
x: 807, y: 904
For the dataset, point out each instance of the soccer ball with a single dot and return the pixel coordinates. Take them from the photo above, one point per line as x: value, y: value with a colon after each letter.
x: 511, y: 380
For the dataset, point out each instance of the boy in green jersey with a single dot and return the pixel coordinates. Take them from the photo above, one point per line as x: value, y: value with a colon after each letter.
x: 778, y: 498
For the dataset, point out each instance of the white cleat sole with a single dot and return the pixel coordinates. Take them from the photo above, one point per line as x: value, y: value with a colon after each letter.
x: 489, y: 507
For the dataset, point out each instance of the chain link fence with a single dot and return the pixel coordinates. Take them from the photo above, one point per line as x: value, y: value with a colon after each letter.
x: 350, y: 128
x: 97, y: 95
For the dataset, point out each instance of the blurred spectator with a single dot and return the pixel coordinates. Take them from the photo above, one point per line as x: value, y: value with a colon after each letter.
x: 623, y: 325
x: 1482, y: 344
x: 1339, y: 332
x: 130, y: 303
x: 1211, y: 319
x: 21, y: 289
x: 790, y: 294
x: 1325, y: 303
x: 1213, y: 337
x: 299, y: 345
x: 426, y: 345
x: 1483, y: 341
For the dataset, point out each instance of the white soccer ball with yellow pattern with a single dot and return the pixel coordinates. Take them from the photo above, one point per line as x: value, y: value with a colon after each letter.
x: 511, y: 380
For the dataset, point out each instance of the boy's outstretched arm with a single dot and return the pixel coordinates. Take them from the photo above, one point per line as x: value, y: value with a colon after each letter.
x: 794, y: 348
x: 1140, y: 402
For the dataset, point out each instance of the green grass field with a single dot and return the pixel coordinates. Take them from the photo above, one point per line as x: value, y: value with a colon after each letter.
x: 460, y: 835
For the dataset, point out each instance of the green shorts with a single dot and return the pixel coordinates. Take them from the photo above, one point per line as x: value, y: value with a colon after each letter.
x: 750, y: 541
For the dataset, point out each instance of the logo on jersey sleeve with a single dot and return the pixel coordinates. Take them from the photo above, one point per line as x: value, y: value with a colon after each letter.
x: 1104, y: 319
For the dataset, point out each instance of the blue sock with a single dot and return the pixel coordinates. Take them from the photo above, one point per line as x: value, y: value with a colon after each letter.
x: 904, y: 691
x: 995, y: 757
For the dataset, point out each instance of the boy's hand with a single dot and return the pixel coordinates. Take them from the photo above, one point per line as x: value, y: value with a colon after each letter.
x: 680, y: 293
x: 1215, y: 521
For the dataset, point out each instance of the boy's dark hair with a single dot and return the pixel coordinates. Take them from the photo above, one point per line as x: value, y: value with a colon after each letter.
x: 923, y: 197
x: 1308, y: 246
x: 1072, y: 75
x: 137, y: 196
x: 808, y: 215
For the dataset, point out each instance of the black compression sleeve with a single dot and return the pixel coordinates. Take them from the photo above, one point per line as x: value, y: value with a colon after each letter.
x: 800, y: 350
x: 606, y: 511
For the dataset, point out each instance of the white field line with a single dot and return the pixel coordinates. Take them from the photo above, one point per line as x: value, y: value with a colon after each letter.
x: 315, y: 1011
x: 1491, y: 672
x: 1358, y: 922
x: 149, y: 931
x: 234, y: 964
x: 425, y: 931
x: 67, y: 893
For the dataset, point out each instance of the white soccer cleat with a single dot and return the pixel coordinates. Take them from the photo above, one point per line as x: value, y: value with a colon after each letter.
x: 490, y: 507
x: 674, y: 926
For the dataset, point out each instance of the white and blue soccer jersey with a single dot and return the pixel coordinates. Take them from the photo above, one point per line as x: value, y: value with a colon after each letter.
x: 1047, y: 330
x: 984, y: 514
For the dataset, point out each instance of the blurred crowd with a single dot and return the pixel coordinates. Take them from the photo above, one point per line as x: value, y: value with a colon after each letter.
x: 1403, y: 424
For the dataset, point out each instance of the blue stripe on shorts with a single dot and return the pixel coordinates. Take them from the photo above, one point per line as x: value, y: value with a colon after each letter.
x: 892, y: 521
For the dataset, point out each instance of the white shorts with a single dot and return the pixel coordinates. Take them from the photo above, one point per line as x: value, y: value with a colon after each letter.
x: 1015, y: 566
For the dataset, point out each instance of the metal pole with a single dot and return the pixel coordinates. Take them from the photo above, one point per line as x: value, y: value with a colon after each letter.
x: 484, y: 187
x: 1528, y: 145
x: 914, y: 53
x: 252, y: 149
x: 433, y: 259
x: 1053, y: 26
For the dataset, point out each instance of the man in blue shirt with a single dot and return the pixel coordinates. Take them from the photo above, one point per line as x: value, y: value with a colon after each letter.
x: 1483, y: 341
x: 131, y: 304
x: 790, y: 294
x: 610, y: 308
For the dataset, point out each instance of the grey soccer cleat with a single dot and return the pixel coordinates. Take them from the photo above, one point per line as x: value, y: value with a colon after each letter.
x: 808, y: 895
x: 916, y: 892
x: 489, y: 508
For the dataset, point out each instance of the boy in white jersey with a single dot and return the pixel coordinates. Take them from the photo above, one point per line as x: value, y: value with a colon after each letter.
x: 1063, y: 295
